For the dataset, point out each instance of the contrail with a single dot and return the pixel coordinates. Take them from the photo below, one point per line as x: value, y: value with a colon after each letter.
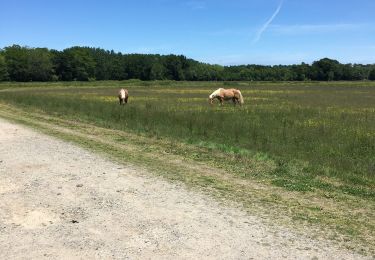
x: 269, y: 21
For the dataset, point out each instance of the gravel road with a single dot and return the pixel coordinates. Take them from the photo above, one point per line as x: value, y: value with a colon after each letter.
x: 59, y: 201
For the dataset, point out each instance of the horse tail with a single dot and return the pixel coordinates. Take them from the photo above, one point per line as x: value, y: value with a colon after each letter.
x: 241, y: 97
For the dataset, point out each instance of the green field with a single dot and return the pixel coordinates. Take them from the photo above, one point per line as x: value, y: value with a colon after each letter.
x: 308, y: 140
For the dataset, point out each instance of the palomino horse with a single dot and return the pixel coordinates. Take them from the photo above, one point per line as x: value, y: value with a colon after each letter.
x: 227, y: 94
x: 123, y: 96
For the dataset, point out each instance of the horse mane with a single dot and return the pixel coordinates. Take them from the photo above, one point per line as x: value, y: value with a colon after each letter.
x: 216, y: 92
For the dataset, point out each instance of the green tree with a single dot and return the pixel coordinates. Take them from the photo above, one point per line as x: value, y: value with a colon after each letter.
x: 76, y: 63
x: 39, y: 62
x: 3, y: 69
x: 371, y: 75
x: 327, y: 69
x: 347, y: 72
x: 16, y: 58
x: 359, y: 73
x: 28, y: 64
x: 157, y: 71
x: 175, y: 66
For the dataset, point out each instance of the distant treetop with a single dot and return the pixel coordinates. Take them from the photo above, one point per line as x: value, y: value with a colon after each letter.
x: 20, y: 63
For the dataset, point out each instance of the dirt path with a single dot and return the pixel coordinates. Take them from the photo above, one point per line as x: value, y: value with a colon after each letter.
x: 62, y: 202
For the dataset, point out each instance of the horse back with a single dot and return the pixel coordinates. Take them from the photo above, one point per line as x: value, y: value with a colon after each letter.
x: 228, y: 93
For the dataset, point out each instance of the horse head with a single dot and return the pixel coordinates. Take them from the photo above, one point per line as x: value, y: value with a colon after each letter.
x: 214, y: 95
x: 211, y: 99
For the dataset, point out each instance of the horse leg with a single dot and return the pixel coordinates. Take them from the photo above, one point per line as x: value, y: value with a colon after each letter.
x: 126, y: 100
x: 221, y: 100
x: 119, y: 99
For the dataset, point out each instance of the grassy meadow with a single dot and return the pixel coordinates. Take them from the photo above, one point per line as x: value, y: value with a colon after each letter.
x: 303, y: 138
x: 327, y: 129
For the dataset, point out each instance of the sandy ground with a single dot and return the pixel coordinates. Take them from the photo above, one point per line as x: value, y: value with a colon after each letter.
x: 59, y: 201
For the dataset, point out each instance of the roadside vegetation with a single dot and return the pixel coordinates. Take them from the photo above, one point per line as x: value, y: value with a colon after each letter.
x: 301, y: 151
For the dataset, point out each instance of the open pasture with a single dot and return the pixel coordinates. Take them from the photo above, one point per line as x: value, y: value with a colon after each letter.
x: 327, y: 128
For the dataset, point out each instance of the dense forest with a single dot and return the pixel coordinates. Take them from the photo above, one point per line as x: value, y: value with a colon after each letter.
x: 19, y: 63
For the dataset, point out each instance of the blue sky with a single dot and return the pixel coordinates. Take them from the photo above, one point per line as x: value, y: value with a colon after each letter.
x: 225, y: 32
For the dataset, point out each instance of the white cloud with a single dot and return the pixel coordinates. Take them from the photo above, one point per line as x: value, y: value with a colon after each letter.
x: 316, y: 28
x: 267, y: 23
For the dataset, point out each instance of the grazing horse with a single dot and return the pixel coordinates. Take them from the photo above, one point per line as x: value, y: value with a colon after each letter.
x: 123, y: 96
x: 227, y: 94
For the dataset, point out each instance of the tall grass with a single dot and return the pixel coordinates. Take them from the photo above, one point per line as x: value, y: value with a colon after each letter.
x: 330, y: 130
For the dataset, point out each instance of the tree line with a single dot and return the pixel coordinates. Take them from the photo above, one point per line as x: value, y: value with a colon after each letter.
x: 21, y: 63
